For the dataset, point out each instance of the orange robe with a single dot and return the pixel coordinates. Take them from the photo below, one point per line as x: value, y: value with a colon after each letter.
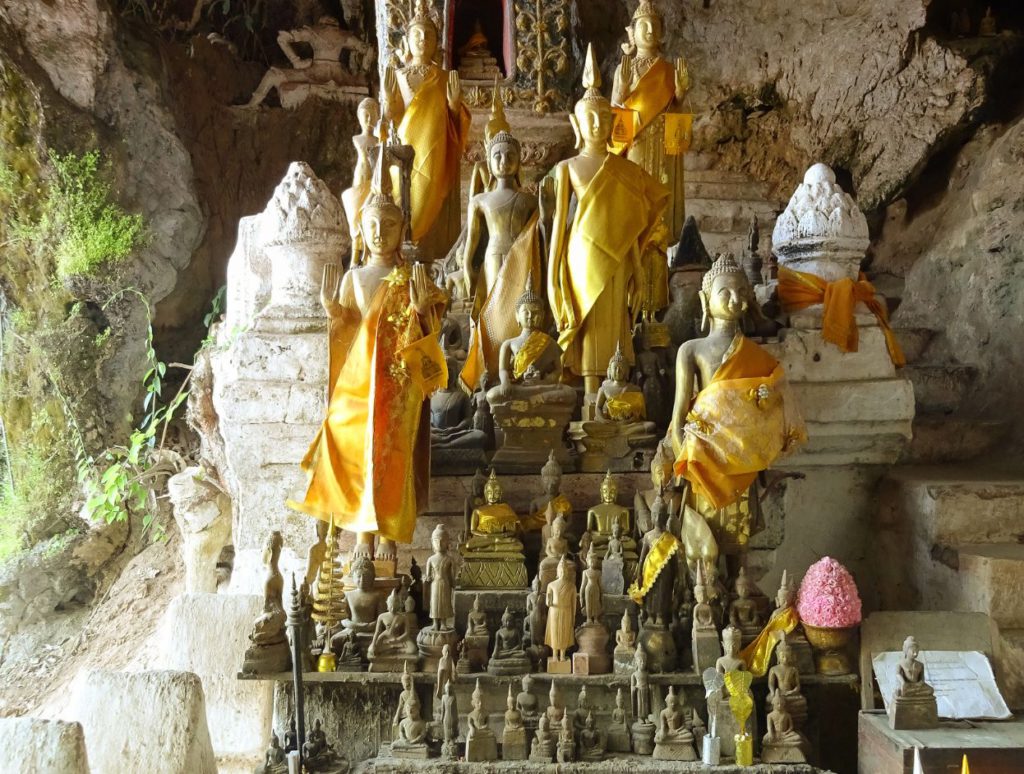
x: 369, y: 464
x: 732, y: 434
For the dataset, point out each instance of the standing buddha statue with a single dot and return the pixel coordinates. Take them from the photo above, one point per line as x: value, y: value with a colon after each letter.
x: 353, y: 197
x: 596, y: 277
x: 369, y: 462
x: 738, y: 424
x: 653, y: 89
x: 425, y: 102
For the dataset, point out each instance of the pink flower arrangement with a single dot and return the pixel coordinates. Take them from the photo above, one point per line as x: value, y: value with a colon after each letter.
x: 828, y: 596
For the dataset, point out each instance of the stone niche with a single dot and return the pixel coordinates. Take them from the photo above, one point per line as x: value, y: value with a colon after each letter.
x: 270, y: 364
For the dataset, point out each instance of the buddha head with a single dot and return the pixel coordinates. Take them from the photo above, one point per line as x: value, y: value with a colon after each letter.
x: 670, y: 698
x: 779, y: 701
x: 439, y: 539
x: 504, y: 154
x: 609, y: 489
x: 558, y: 527
x: 543, y: 726
x: 581, y: 701
x: 640, y: 658
x: 627, y: 623
x: 492, y: 489
x: 551, y: 476
x: 272, y: 548
x: 510, y: 700
x: 620, y: 699
x: 731, y: 640
x: 554, y: 698
x: 659, y: 512
x: 364, y: 573
x: 563, y: 567
x: 785, y: 595
x: 661, y: 468
x: 478, y: 696
x: 646, y: 28
x: 592, y: 116
x: 527, y: 683
x: 617, y: 528
x: 368, y: 114
x: 783, y: 651
x: 743, y: 589
x: 393, y: 601
x: 700, y: 594
x: 910, y: 648
x: 530, y: 308
x: 592, y: 558
x: 381, y: 221
x: 618, y: 366
x: 506, y: 622
x: 406, y: 678
x: 413, y: 708
x: 725, y: 292
x: 421, y: 34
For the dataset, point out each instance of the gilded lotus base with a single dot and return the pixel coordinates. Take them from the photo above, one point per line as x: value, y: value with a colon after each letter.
x: 831, y: 648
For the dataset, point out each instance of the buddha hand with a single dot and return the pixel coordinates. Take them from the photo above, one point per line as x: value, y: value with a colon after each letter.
x: 330, y: 288
x: 454, y: 91
x: 420, y: 288
x: 682, y: 79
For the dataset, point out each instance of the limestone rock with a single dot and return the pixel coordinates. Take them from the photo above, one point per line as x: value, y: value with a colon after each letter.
x: 144, y: 721
x: 42, y: 746
x: 203, y: 513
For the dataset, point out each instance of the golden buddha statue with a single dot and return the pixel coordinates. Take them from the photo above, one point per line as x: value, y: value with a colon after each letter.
x: 619, y: 426
x: 425, y: 102
x: 654, y: 90
x: 353, y: 197
x: 501, y: 251
x: 737, y: 425
x: 602, y: 518
x: 492, y: 552
x: 385, y: 361
x: 596, y: 278
x: 552, y: 497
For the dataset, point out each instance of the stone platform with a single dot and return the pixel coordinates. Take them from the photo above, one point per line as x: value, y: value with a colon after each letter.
x: 621, y: 763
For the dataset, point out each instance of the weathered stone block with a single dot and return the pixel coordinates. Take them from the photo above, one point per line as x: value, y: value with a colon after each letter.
x: 35, y: 746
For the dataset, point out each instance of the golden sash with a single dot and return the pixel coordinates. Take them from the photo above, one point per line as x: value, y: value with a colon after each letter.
x: 664, y: 548
x: 370, y: 461
x: 737, y: 426
x: 758, y: 654
x: 534, y: 346
x: 799, y: 290
x: 627, y: 406
x: 439, y: 137
x: 653, y: 94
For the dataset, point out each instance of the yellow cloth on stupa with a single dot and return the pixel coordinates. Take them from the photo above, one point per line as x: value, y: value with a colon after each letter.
x: 661, y: 552
x: 369, y: 463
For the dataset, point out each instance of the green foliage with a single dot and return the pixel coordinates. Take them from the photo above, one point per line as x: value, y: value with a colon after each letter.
x: 27, y: 483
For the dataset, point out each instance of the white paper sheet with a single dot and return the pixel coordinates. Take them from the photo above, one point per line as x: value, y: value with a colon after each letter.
x: 965, y: 688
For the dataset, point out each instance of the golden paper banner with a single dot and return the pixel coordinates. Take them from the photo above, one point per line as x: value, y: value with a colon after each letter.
x: 623, y: 127
x: 678, y: 133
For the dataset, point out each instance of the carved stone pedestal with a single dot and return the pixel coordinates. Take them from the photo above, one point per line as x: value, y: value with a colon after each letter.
x: 617, y: 739
x: 604, y: 446
x: 913, y: 714
x: 674, y: 751
x: 497, y: 573
x: 482, y: 747
x: 460, y: 461
x: 660, y: 648
x: 431, y: 641
x: 513, y: 744
x: 643, y: 737
x: 267, y: 659
x: 782, y: 753
x: 612, y: 578
x: 516, y: 665
x: 413, y: 752
x: 592, y: 656
x: 395, y: 664
x: 526, y: 432
x: 556, y: 667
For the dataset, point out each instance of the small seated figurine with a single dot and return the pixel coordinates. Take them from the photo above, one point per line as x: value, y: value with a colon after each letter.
x: 269, y: 650
x: 673, y: 740
x: 784, y: 620
x: 476, y: 643
x: 513, y: 738
x: 318, y: 756
x: 912, y: 705
x: 530, y: 405
x: 591, y: 743
x: 783, y: 743
x: 493, y: 553
x: 543, y: 750
x: 405, y: 698
x: 551, y: 498
x: 412, y: 739
x: 527, y: 704
x: 743, y: 612
x: 451, y: 417
x: 625, y: 646
x: 393, y: 645
x: 620, y: 400
x: 784, y: 678
x: 987, y: 26
x: 583, y: 709
x: 364, y: 606
x: 476, y: 62
x: 481, y: 744
x: 566, y: 742
x: 602, y: 520
x: 618, y: 730
x: 348, y: 659
x: 556, y: 708
x: 274, y: 760
x: 508, y: 656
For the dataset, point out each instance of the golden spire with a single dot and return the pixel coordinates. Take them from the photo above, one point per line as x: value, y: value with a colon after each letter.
x: 591, y: 75
x: 380, y: 183
x: 498, y: 124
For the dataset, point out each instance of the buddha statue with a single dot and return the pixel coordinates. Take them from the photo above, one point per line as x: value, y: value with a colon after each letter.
x: 556, y: 707
x: 493, y: 553
x: 555, y: 547
x: 551, y: 498
x: 273, y: 759
x: 673, y: 741
x: 513, y: 737
x: 441, y: 577
x: 561, y: 603
x: 731, y: 661
x: 317, y: 552
x: 726, y: 721
x: 447, y: 671
x: 318, y: 755
x: 601, y: 522
x: 364, y: 606
x: 481, y: 744
x: 784, y: 678
x: 384, y: 363
x: 543, y: 749
x: 530, y: 405
x: 476, y: 62
x: 617, y: 738
x: 508, y: 656
x: 782, y: 743
x: 613, y: 565
x: 656, y: 582
x: 653, y: 365
x: 743, y: 611
x: 913, y: 704
x: 536, y: 615
x: 619, y: 400
x: 393, y: 644
x: 449, y: 723
x: 625, y: 646
x: 501, y: 254
x: 592, y: 636
x: 412, y: 735
x: 366, y: 144
x: 784, y: 620
x: 738, y: 424
x: 268, y: 652
x: 654, y: 89
x: 425, y: 103
x: 705, y: 644
x: 987, y: 26
x: 596, y: 278
x: 475, y: 645
x: 526, y: 703
x: 661, y: 480
x: 566, y: 751
x: 453, y: 422
x: 640, y: 690
x: 591, y: 744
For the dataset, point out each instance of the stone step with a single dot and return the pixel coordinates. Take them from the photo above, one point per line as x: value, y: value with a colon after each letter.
x: 717, y: 175
x: 940, y: 388
x: 942, y: 438
x: 725, y: 191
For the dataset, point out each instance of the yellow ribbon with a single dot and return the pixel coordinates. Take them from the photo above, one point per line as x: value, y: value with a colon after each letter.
x: 532, y: 348
x: 663, y: 549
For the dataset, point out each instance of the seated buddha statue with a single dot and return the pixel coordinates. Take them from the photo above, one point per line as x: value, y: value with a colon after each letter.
x: 912, y: 705
x: 784, y: 678
x: 364, y: 607
x: 492, y: 552
x: 452, y: 424
x: 621, y: 401
x: 508, y: 656
x: 743, y: 612
x: 551, y: 481
x: 393, y: 644
x: 604, y: 516
x: 673, y: 741
x: 783, y: 743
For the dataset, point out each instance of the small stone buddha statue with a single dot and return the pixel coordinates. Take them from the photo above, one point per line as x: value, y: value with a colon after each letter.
x: 673, y: 741
x: 784, y: 677
x: 913, y: 704
x: 452, y: 415
x: 543, y: 749
x: 364, y: 606
x: 743, y: 612
x: 273, y: 760
x: 481, y: 744
x: 601, y: 520
x: 393, y: 644
x: 527, y: 704
x: 987, y: 26
x: 317, y: 754
x: 620, y: 400
x: 782, y: 743
x: 550, y: 499
x: 536, y: 614
x: 726, y: 721
x: 513, y: 738
x: 412, y: 734
x: 625, y: 646
x: 591, y: 743
x: 613, y: 565
x: 353, y: 197
x: 449, y: 723
x: 566, y: 742
x: 493, y: 553
x: 555, y: 547
x: 269, y: 649
x: 475, y: 645
x: 731, y: 661
x: 556, y: 707
x: 508, y: 656
x: 617, y: 739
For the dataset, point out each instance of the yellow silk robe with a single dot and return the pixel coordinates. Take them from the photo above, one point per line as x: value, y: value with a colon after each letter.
x: 731, y: 434
x: 369, y: 464
x: 439, y: 138
x: 591, y: 284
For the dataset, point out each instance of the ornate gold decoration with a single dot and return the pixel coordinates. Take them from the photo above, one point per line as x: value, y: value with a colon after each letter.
x: 542, y: 46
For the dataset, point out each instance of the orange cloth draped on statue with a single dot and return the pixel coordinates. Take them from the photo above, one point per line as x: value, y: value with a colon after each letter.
x: 653, y: 94
x: 439, y: 137
x: 369, y: 464
x: 799, y: 290
x: 732, y: 431
x: 758, y: 654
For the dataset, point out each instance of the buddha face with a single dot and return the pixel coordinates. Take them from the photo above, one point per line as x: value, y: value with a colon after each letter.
x: 700, y: 594
x: 783, y: 654
x: 530, y: 316
x: 552, y: 483
x: 422, y: 40
x: 729, y: 297
x: 440, y: 543
x: 368, y: 114
x: 609, y: 491
x: 594, y: 121
x: 492, y: 492
x: 784, y: 598
x: 504, y: 159
x: 647, y: 32
x: 414, y: 710
x: 381, y: 228
x: 618, y: 370
x: 910, y: 650
x: 659, y: 513
x: 364, y: 576
x: 506, y: 620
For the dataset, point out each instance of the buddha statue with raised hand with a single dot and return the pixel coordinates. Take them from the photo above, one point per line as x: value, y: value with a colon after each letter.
x: 493, y: 552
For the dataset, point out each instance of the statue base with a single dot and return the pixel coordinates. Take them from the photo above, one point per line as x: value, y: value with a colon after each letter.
x: 913, y: 714
x: 516, y: 665
x: 395, y: 663
x: 482, y: 747
x: 537, y: 654
x: 622, y: 661
x: 643, y: 738
x: 497, y: 573
x: 592, y: 656
x: 267, y: 659
x: 431, y: 642
x: 706, y: 650
x: 513, y: 744
x: 613, y: 446
x: 566, y: 752
x: 527, y: 431
x: 674, y: 751
x: 450, y: 751
x: 475, y: 651
x: 542, y: 753
x: 556, y: 667
x: 782, y: 753
x: 456, y: 461
x: 660, y: 648
x: 413, y: 752
x: 618, y: 738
